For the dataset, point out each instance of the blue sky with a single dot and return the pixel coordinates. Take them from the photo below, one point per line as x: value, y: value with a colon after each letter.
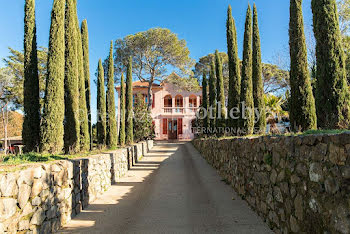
x: 202, y: 23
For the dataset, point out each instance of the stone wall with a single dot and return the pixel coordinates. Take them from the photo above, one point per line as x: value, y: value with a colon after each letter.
x: 43, y: 198
x: 297, y: 184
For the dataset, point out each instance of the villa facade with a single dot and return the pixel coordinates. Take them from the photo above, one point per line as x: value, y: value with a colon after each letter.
x: 173, y: 110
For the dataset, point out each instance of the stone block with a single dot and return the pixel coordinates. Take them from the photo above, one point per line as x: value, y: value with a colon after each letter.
x: 23, y: 195
x: 8, y: 207
x: 8, y: 185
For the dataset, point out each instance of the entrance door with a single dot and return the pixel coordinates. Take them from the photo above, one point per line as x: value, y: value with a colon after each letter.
x: 172, y: 129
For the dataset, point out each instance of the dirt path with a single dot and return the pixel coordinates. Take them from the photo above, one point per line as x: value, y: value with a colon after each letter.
x: 171, y: 190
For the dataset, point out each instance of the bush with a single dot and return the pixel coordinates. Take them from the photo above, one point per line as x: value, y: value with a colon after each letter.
x: 143, y: 127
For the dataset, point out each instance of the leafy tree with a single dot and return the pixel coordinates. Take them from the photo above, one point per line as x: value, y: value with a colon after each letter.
x: 220, y: 91
x: 189, y: 84
x: 85, y: 41
x: 247, y: 120
x: 234, y: 68
x: 332, y: 92
x: 212, y: 95
x: 53, y: 111
x: 258, y: 89
x: 83, y: 113
x: 31, y: 124
x: 344, y: 16
x: 142, y: 120
x: 129, y: 104
x: 101, y: 107
x: 205, y: 100
x: 152, y: 51
x: 71, y: 126
x: 122, y: 111
x: 302, y: 110
x: 112, y: 133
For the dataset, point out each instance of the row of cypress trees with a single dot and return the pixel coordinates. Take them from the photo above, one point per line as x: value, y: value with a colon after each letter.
x: 245, y: 85
x: 107, y: 134
x: 64, y: 122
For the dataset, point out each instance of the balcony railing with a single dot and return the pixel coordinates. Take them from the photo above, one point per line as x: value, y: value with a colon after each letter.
x: 179, y: 110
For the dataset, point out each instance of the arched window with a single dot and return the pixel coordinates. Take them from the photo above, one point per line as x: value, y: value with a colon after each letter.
x: 168, y: 101
x: 193, y: 102
x: 179, y: 103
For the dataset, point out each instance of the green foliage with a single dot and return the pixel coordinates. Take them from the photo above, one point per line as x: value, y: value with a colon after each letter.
x: 258, y: 89
x: 31, y: 104
x: 302, y: 105
x: 112, y: 132
x: 268, y: 159
x: 83, y: 113
x: 189, y: 84
x: 122, y: 111
x: 220, y: 95
x: 31, y: 157
x: 53, y: 111
x: 205, y: 99
x: 247, y: 124
x: 101, y: 107
x: 142, y: 120
x: 234, y: 68
x: 86, y: 60
x: 212, y: 95
x: 71, y: 126
x: 332, y: 92
x: 129, y: 104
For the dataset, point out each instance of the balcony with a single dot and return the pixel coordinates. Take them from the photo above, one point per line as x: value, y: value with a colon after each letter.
x: 179, y: 110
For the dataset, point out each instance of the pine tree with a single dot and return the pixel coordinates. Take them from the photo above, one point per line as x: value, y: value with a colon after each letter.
x: 212, y: 95
x: 247, y: 108
x: 83, y: 114
x: 220, y: 91
x: 332, y: 93
x: 71, y: 126
x: 85, y: 41
x: 205, y: 100
x: 112, y: 132
x: 258, y: 87
x: 302, y: 105
x: 129, y: 105
x: 122, y: 111
x: 234, y: 67
x: 142, y: 121
x: 31, y: 124
x: 53, y: 111
x: 101, y: 107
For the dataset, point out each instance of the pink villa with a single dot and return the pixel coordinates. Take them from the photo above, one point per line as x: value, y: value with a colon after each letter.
x: 173, y: 110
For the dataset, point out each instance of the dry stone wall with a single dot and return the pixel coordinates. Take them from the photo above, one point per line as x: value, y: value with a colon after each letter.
x: 45, y: 197
x: 297, y: 184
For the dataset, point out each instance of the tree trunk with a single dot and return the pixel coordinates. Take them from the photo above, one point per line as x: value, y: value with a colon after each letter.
x: 150, y: 98
x: 5, y: 123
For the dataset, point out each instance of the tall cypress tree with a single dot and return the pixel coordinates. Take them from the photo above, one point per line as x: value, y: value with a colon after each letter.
x: 247, y: 108
x: 205, y: 100
x: 71, y: 126
x: 302, y: 104
x: 122, y: 111
x: 129, y: 104
x: 332, y: 92
x: 234, y: 67
x: 258, y: 87
x: 220, y: 91
x: 212, y: 95
x: 83, y: 114
x: 31, y: 124
x: 112, y: 132
x: 101, y: 107
x: 53, y: 111
x: 86, y: 61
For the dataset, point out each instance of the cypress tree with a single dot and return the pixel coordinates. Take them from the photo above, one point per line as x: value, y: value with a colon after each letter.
x: 83, y: 114
x: 31, y: 124
x: 247, y: 108
x: 122, y: 112
x: 53, y: 111
x: 129, y: 105
x: 101, y: 107
x: 258, y: 87
x: 332, y: 93
x: 112, y: 132
x: 85, y: 41
x: 302, y: 104
x: 212, y: 95
x: 233, y: 66
x: 71, y: 126
x: 205, y: 100
x: 220, y: 90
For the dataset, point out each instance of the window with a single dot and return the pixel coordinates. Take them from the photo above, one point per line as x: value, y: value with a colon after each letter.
x: 165, y: 126
x: 168, y: 101
x: 179, y: 103
x: 153, y: 100
x: 193, y: 101
x: 179, y: 126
